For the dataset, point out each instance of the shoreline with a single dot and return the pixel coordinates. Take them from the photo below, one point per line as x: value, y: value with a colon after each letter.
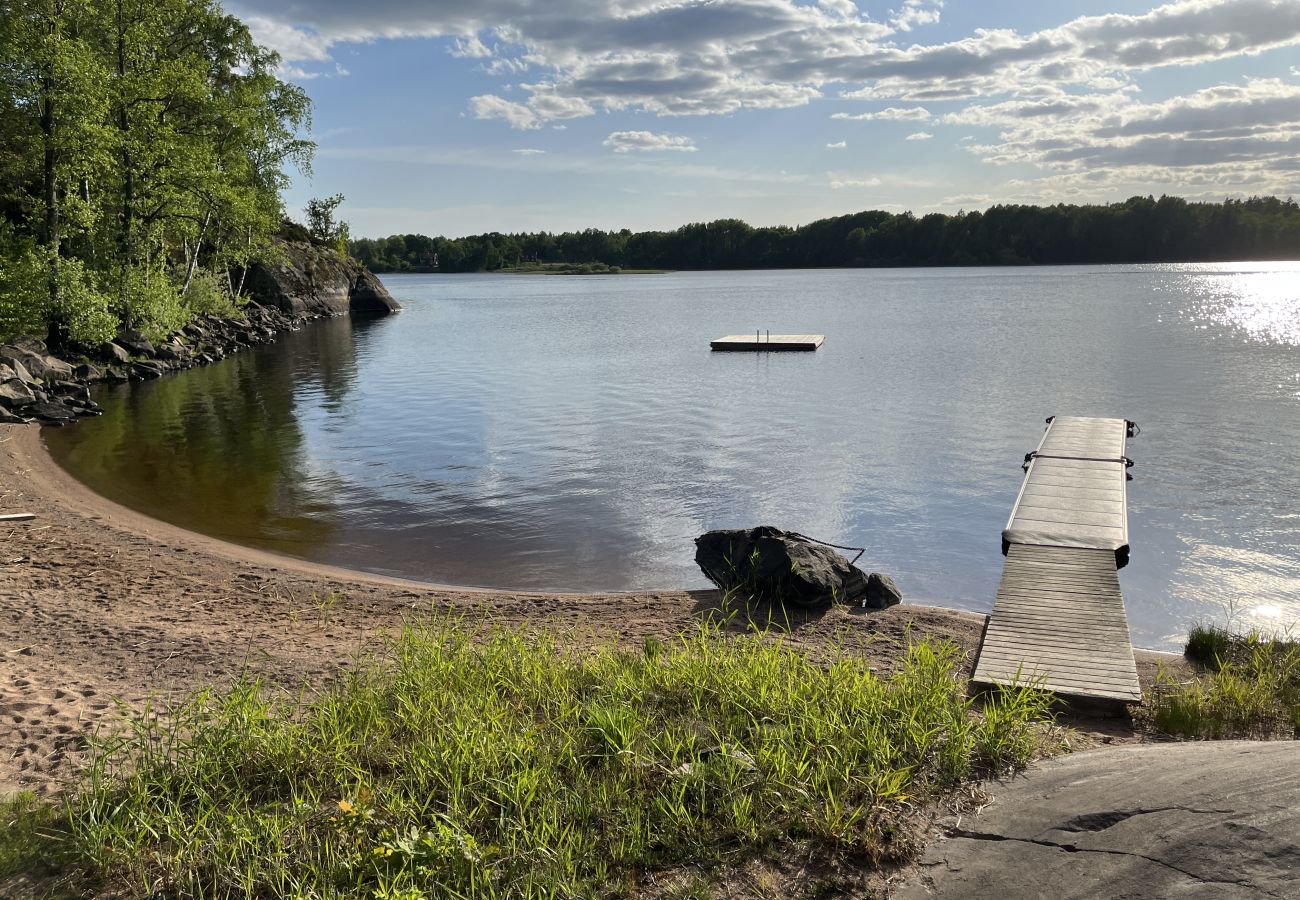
x: 101, y: 605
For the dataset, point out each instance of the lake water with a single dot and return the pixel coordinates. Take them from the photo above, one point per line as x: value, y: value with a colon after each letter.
x: 576, y: 433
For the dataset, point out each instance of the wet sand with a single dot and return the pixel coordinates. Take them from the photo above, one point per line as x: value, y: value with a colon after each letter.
x: 100, y: 605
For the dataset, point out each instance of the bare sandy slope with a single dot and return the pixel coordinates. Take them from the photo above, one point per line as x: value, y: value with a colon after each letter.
x: 99, y: 604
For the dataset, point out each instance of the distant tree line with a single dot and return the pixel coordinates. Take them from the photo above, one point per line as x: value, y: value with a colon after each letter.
x: 1141, y: 229
x: 143, y: 151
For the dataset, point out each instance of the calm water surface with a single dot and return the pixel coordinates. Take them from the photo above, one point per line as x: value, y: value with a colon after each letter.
x: 577, y: 433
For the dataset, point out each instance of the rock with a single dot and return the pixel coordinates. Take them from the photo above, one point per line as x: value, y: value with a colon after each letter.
x: 87, y: 372
x: 115, y: 375
x: 48, y: 413
x: 114, y: 352
x: 70, y: 389
x: 135, y: 342
x: 308, y: 279
x: 881, y: 592
x: 38, y: 366
x: 15, y: 393
x: 769, y: 564
x: 15, y: 367
x: 8, y: 418
x: 370, y: 297
x: 145, y: 370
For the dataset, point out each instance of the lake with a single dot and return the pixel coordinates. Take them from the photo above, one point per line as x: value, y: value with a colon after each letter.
x: 576, y: 433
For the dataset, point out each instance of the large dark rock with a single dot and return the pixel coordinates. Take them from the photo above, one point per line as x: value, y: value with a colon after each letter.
x: 48, y: 413
x: 308, y: 279
x: 766, y: 563
x: 135, y: 342
x: 881, y: 592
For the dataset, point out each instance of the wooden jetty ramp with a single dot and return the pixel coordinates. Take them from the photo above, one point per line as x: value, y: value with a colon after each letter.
x: 1058, y: 621
x: 768, y: 341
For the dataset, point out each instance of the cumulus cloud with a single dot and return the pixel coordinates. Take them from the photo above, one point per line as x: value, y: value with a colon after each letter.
x: 517, y: 115
x: 915, y: 12
x: 891, y: 113
x: 648, y: 142
x: 689, y: 58
x: 919, y: 136
x: 838, y: 145
x: 1236, y: 134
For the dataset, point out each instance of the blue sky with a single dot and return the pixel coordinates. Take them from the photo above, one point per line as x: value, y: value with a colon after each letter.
x: 462, y: 116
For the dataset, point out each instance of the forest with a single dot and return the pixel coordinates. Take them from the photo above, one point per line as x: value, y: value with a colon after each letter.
x: 1141, y: 229
x: 144, y: 146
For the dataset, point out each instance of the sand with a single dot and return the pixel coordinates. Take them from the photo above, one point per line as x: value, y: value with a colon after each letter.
x: 102, y: 607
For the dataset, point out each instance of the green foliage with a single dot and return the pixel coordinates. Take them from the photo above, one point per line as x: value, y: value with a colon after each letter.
x: 1141, y: 229
x: 207, y: 294
x: 478, y: 763
x: 323, y: 226
x: 156, y: 307
x: 1250, y: 688
x: 82, y: 314
x: 140, y: 141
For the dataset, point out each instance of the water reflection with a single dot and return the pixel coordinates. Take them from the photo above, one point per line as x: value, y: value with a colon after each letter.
x: 220, y: 450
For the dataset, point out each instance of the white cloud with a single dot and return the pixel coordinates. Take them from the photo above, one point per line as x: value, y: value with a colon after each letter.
x: 919, y: 136
x: 838, y: 145
x: 529, y: 151
x: 916, y: 12
x: 889, y: 114
x: 840, y: 182
x: 470, y: 47
x: 1050, y: 90
x: 517, y: 115
x: 1244, y: 134
x: 648, y: 142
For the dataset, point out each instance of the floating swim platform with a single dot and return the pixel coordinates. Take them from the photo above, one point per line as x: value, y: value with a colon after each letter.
x: 1058, y: 621
x: 775, y: 342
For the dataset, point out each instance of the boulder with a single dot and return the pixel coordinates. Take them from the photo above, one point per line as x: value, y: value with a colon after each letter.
x: 766, y: 563
x: 309, y: 279
x: 50, y: 413
x: 881, y: 592
x: 114, y: 352
x: 8, y: 418
x: 135, y: 342
x: 39, y: 366
x: 15, y: 393
x: 15, y: 367
x: 88, y: 372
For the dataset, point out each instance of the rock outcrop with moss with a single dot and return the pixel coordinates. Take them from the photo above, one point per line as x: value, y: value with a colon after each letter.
x: 304, y: 278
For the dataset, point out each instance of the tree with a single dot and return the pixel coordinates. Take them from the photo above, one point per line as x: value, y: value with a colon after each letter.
x: 321, y: 224
x: 143, y: 150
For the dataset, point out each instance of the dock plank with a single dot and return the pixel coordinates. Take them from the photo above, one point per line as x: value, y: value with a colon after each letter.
x: 1058, y: 621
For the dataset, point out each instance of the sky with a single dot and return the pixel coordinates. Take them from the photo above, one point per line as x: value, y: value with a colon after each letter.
x: 458, y: 117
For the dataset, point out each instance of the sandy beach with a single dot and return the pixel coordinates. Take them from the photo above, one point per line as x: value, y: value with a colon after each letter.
x: 100, y: 605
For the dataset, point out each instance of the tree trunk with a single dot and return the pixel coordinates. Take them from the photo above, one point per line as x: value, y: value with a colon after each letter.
x: 193, y: 262
x: 126, y: 248
x: 50, y: 188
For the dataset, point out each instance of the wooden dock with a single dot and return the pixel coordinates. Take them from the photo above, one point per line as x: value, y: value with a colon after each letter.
x: 758, y: 341
x: 1058, y: 620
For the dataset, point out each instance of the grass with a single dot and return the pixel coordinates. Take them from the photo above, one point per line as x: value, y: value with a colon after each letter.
x: 1250, y: 688
x: 476, y: 762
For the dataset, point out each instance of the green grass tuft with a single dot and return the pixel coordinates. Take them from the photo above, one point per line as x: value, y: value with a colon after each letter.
x: 1250, y: 688
x: 500, y: 763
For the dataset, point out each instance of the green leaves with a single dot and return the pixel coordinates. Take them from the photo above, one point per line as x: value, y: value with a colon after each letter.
x: 142, y: 143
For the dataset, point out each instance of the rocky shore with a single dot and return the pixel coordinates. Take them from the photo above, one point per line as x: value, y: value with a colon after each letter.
x: 303, y: 282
